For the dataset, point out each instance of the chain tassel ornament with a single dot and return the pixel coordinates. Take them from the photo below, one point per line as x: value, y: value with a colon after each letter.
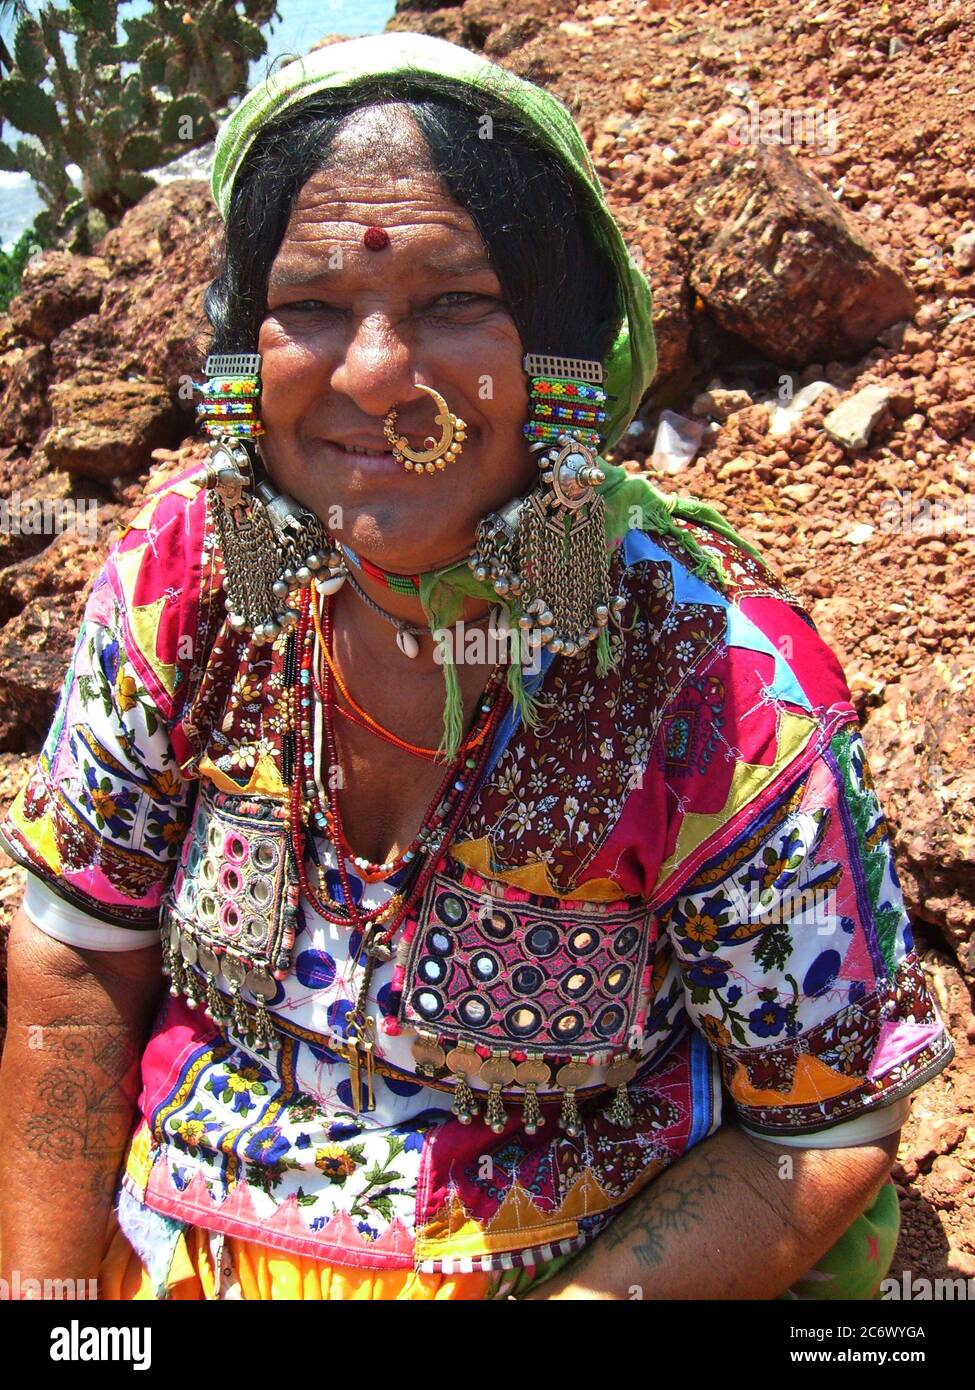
x: 532, y: 1073
x: 570, y: 1077
x: 620, y: 1073
x: 496, y: 1072
x: 548, y: 550
x: 464, y: 1062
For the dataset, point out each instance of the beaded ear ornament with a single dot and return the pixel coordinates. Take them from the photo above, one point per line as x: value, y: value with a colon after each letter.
x: 271, y: 546
x: 548, y: 550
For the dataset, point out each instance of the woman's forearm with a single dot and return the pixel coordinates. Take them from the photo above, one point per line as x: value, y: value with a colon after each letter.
x: 77, y: 1022
x: 730, y: 1220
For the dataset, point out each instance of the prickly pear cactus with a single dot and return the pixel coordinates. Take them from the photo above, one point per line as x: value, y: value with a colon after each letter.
x: 118, y: 105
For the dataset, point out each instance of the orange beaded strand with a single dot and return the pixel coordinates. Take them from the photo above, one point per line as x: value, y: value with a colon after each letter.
x: 358, y: 715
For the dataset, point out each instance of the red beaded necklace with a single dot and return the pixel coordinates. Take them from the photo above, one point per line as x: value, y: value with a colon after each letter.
x: 357, y: 715
x: 379, y: 925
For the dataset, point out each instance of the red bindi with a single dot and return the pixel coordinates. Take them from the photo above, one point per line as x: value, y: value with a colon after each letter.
x: 376, y: 238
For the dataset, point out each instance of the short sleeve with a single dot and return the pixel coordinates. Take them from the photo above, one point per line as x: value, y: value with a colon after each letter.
x: 106, y: 807
x: 797, y: 958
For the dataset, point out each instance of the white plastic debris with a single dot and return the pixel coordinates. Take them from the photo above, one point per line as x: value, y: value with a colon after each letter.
x: 784, y: 417
x: 678, y: 440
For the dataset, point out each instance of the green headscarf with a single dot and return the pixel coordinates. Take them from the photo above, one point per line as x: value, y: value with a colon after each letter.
x: 632, y: 360
x: 631, y: 501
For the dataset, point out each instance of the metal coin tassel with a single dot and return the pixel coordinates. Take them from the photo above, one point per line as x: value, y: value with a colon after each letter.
x: 548, y: 551
x: 271, y: 546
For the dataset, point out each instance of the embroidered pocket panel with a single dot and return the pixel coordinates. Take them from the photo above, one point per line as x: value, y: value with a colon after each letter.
x: 234, y: 891
x: 561, y: 978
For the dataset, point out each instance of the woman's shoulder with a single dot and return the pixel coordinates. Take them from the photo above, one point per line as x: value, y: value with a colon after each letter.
x: 171, y: 525
x: 752, y: 696
x: 162, y: 576
x: 722, y: 611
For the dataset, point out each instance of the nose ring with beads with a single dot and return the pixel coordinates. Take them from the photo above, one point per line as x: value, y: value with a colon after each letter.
x: 436, y: 453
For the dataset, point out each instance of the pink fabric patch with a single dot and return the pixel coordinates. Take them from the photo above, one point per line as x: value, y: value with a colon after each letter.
x: 898, y: 1041
x: 181, y: 1032
x: 814, y: 664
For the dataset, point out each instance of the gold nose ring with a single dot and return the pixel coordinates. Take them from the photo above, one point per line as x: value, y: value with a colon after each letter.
x: 436, y: 453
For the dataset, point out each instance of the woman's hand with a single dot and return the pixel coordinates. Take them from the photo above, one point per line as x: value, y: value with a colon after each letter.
x: 76, y: 1028
x: 736, y: 1218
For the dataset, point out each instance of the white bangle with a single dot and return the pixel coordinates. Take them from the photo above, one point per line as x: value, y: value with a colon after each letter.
x: 860, y: 1129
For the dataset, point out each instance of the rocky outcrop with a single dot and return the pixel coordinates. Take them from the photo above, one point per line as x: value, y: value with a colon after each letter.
x: 151, y: 314
x: 24, y: 408
x: 919, y: 743
x: 778, y: 262
x: 105, y: 430
x: 56, y: 290
x: 97, y: 353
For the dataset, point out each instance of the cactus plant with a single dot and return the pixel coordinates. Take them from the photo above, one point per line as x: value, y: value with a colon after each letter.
x: 118, y: 106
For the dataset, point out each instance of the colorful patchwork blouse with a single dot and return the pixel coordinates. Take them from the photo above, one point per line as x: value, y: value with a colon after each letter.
x: 684, y: 862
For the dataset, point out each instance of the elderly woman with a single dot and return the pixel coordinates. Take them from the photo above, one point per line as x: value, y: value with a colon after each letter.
x: 529, y: 914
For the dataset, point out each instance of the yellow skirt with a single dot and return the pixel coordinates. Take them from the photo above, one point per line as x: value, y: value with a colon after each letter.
x: 250, y: 1271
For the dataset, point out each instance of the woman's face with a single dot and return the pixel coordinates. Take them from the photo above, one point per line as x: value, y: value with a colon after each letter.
x: 348, y: 333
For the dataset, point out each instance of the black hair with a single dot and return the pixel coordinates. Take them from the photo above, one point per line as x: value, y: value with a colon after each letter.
x: 534, y: 216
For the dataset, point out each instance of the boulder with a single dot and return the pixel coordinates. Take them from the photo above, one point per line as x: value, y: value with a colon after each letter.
x: 918, y: 745
x: 56, y: 290
x: 106, y: 429
x: 671, y: 315
x: 778, y: 262
x: 25, y: 411
x: 150, y: 322
x: 35, y: 648
x: 66, y: 565
x: 31, y: 492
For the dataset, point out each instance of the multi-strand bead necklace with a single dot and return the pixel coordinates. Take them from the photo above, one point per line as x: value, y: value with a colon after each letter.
x: 356, y: 715
x: 309, y: 680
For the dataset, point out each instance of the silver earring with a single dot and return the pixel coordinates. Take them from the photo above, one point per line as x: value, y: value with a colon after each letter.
x: 270, y: 545
x: 548, y: 550
x: 562, y: 557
